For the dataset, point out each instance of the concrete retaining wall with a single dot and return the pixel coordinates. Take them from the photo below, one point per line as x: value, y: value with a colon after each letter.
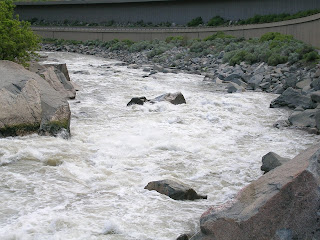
x: 156, y: 11
x: 305, y: 29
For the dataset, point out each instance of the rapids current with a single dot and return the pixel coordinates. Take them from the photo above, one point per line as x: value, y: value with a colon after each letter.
x: 92, y: 185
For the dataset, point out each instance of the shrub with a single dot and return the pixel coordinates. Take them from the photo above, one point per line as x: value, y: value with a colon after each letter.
x: 17, y: 41
x: 275, y: 36
x: 218, y: 35
x: 216, y: 21
x: 195, y: 22
x: 276, y: 59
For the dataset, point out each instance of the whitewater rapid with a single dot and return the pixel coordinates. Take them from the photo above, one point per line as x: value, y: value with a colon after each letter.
x: 92, y: 185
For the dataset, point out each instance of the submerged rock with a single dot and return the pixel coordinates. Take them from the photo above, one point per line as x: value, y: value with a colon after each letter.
x: 174, y: 190
x: 28, y: 104
x: 283, y: 202
x: 137, y: 100
x: 272, y: 160
x: 174, y: 98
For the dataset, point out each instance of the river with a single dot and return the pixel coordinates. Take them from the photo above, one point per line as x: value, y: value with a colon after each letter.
x: 92, y: 185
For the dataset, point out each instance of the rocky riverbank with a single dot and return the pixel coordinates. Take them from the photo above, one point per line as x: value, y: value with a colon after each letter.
x: 298, y: 84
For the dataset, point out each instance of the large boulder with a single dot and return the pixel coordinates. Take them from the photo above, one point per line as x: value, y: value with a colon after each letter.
x: 58, y: 81
x: 272, y: 160
x: 174, y: 190
x: 283, y: 203
x: 293, y: 98
x: 57, y: 76
x: 304, y: 119
x: 28, y: 104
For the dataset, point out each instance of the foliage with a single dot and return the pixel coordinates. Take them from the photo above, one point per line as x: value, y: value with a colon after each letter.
x: 216, y: 21
x: 218, y: 35
x: 17, y: 42
x: 195, y: 22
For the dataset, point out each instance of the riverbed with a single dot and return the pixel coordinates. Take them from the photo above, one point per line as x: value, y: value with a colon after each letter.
x: 92, y: 185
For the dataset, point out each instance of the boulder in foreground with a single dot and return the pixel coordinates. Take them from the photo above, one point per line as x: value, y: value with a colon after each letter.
x: 282, y: 204
x: 174, y: 190
x: 28, y: 104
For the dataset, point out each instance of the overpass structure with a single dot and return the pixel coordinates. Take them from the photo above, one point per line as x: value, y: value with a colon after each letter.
x: 305, y: 29
x: 157, y: 11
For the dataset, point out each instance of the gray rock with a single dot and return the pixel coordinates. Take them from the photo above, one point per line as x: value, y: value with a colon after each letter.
x: 233, y: 87
x: 232, y: 77
x: 58, y: 81
x: 264, y: 86
x: 174, y: 98
x: 315, y: 96
x: 292, y: 98
x: 304, y: 119
x: 28, y: 104
x: 281, y: 124
x: 183, y: 237
x: 315, y: 84
x: 282, y: 204
x: 272, y: 160
x: 62, y: 67
x: 255, y: 81
x: 290, y: 81
x: 278, y: 89
x: 304, y: 83
x: 174, y: 190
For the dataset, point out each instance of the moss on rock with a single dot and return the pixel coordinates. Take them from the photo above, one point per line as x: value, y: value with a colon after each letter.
x: 19, y: 129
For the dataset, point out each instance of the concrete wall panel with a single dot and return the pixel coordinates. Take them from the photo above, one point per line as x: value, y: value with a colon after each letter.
x: 305, y: 29
x: 175, y: 11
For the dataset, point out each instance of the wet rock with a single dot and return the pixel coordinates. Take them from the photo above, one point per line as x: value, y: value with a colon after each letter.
x: 137, y: 100
x: 28, y: 104
x: 183, y: 237
x: 174, y: 98
x: 304, y: 119
x: 58, y: 81
x: 174, y: 190
x: 233, y: 87
x: 272, y: 160
x: 281, y: 124
x: 282, y: 204
x: 292, y: 98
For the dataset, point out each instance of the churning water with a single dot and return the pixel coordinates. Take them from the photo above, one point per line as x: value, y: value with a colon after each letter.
x: 92, y: 186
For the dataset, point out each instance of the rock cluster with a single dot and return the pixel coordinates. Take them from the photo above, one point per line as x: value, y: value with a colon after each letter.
x: 29, y: 103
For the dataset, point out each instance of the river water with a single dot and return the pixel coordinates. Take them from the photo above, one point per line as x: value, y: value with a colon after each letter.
x: 92, y: 185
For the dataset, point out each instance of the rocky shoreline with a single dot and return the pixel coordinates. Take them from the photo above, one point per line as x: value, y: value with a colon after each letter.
x: 298, y: 85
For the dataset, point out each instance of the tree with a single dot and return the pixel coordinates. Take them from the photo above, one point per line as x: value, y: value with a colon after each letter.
x: 17, y: 41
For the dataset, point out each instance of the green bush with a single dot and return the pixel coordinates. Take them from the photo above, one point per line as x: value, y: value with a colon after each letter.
x: 195, y: 22
x: 218, y: 35
x: 216, y: 21
x: 17, y: 41
x: 275, y: 36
